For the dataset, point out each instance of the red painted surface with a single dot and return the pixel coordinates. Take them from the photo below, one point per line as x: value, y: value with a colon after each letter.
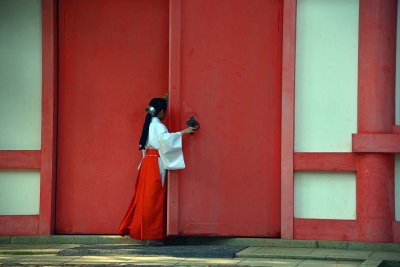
x: 375, y: 197
x: 174, y: 109
x: 376, y: 90
x: 287, y: 140
x: 396, y: 129
x: 49, y: 117
x: 19, y: 225
x: 396, y: 231
x: 378, y: 143
x: 325, y: 162
x: 113, y: 60
x: 231, y: 67
x: 345, y: 230
x: 14, y: 159
x: 45, y: 158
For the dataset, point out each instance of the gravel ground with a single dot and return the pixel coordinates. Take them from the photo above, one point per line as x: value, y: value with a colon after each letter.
x: 172, y: 251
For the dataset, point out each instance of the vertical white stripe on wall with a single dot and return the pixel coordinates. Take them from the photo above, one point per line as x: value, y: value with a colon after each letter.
x: 19, y: 192
x: 325, y: 195
x: 326, y: 75
x: 20, y: 74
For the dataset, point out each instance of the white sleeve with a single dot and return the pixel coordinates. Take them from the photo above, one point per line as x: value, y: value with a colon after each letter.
x: 170, y: 148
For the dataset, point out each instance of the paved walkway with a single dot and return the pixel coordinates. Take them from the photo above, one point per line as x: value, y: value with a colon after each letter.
x: 47, y: 254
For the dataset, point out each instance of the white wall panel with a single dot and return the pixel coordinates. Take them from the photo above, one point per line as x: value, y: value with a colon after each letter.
x: 325, y: 195
x: 20, y: 74
x: 19, y: 192
x: 326, y: 75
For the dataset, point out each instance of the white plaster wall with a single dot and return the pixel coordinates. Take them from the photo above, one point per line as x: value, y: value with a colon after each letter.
x: 326, y: 75
x: 20, y: 74
x: 19, y: 192
x: 325, y: 195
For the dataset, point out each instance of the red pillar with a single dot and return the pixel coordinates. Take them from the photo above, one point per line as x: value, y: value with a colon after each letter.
x: 376, y: 109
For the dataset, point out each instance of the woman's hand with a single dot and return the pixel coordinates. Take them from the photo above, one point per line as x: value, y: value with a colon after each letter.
x: 188, y: 130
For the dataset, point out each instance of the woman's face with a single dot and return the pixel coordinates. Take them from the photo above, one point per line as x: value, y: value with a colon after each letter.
x: 161, y: 115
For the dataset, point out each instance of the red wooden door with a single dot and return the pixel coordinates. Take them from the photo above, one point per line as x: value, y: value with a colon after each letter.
x: 113, y: 57
x: 228, y: 74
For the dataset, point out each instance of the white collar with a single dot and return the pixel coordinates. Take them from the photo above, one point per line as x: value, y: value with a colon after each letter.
x: 155, y: 119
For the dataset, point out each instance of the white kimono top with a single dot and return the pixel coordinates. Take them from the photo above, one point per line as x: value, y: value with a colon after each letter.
x: 169, y: 146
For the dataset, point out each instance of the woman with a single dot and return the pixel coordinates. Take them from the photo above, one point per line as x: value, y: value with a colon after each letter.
x: 144, y: 219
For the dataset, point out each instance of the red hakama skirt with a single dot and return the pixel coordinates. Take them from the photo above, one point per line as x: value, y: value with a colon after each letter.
x: 144, y: 219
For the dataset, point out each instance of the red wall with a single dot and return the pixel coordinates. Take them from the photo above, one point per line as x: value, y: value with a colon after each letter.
x: 113, y: 60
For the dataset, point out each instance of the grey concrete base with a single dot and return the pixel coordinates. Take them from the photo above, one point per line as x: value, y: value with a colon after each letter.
x: 271, y: 242
x: 225, y: 241
x: 305, y: 254
x: 5, y: 239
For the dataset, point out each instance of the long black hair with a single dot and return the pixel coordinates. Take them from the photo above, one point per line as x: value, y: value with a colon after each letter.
x: 155, y: 106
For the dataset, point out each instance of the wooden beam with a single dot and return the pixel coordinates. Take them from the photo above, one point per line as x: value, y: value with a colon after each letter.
x: 19, y: 224
x: 287, y: 134
x: 174, y: 110
x: 324, y: 229
x: 325, y: 162
x: 16, y: 159
x: 376, y: 143
x: 49, y: 117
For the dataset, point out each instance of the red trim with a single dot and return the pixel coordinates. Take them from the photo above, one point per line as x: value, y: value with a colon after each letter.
x: 19, y: 224
x: 376, y: 109
x: 49, y: 116
x: 15, y: 159
x: 287, y: 137
x: 379, y: 143
x: 226, y: 229
x: 325, y: 162
x: 174, y: 110
x: 396, y: 231
x: 396, y: 128
x: 345, y: 230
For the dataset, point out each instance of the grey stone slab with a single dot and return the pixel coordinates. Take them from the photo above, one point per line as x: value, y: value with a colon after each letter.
x: 96, y: 260
x: 388, y: 247
x: 5, y: 239
x: 270, y: 262
x: 155, y: 260
x: 268, y: 252
x: 326, y: 263
x: 208, y: 261
x: 246, y: 251
x: 25, y: 246
x: 371, y: 263
x: 333, y: 244
x: 386, y: 255
x: 47, y: 259
x: 65, y: 246
x: 10, y: 258
x: 342, y: 253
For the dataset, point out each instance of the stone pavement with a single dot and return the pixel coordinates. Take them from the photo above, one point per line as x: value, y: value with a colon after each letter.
x: 267, y: 253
